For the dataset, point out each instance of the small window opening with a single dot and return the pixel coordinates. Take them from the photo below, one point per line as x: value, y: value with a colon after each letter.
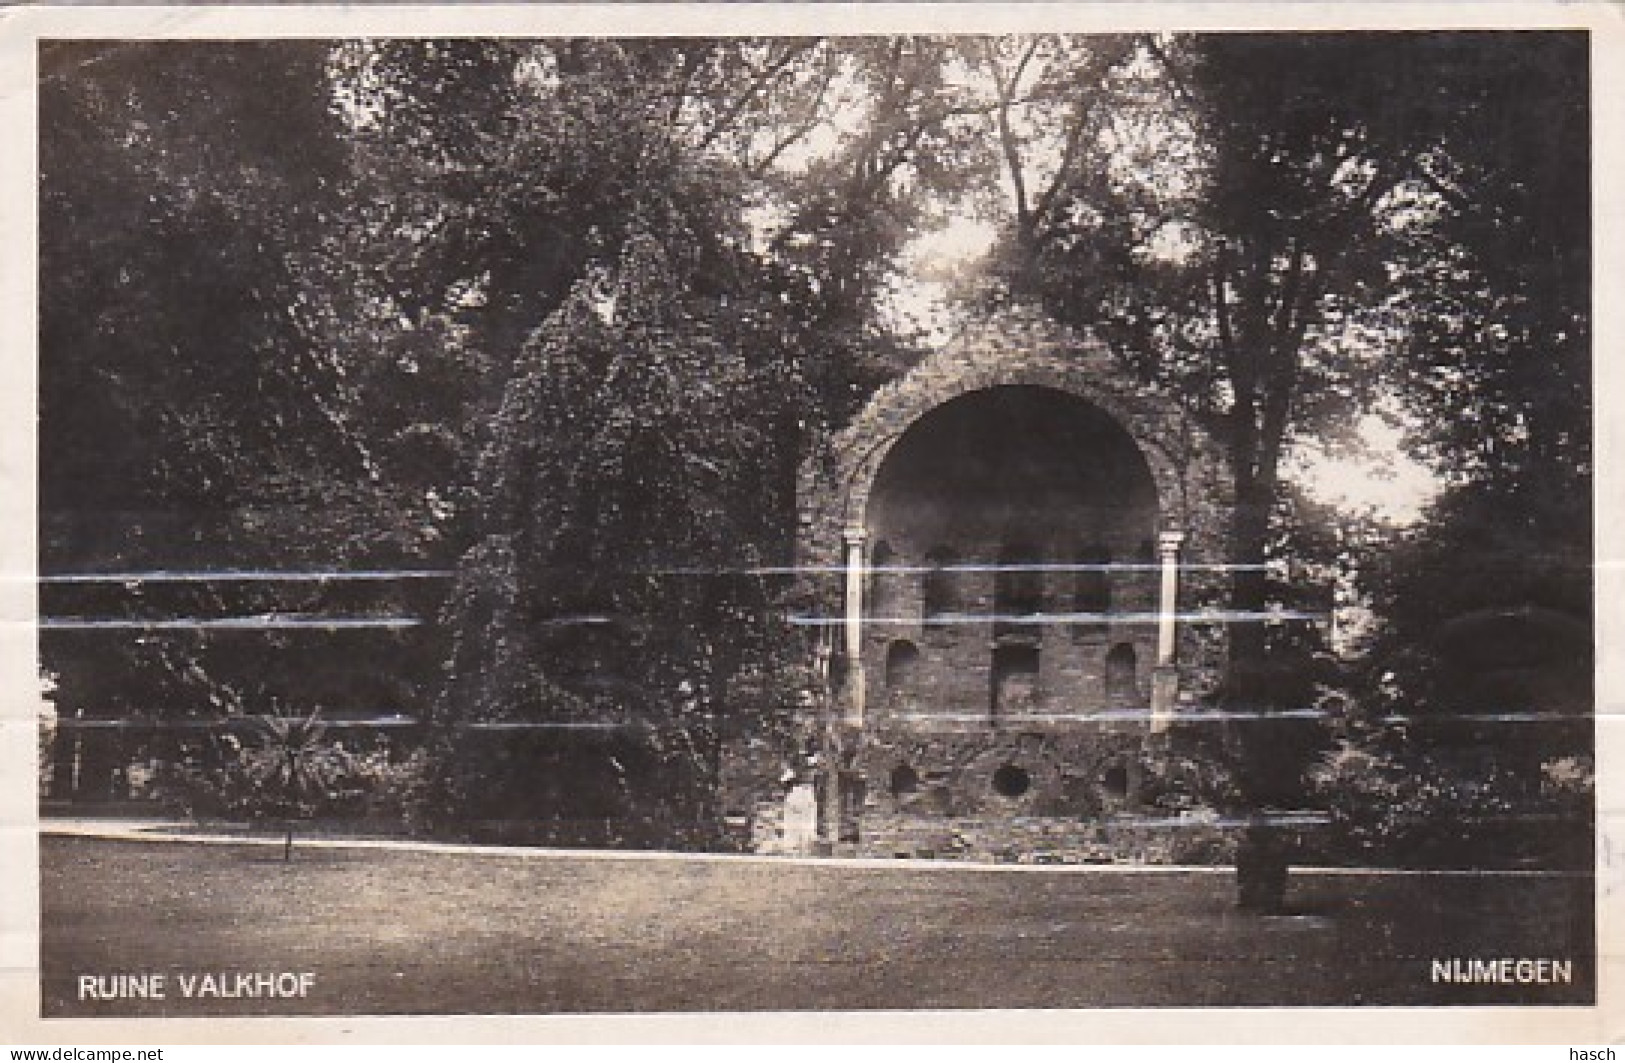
x: 1011, y: 781
x: 902, y: 664
x: 1122, y: 684
x: 1015, y: 680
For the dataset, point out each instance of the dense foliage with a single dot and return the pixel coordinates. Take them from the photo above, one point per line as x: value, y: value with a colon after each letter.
x: 280, y: 770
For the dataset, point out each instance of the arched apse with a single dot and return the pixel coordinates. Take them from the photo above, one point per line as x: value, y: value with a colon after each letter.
x: 1005, y: 480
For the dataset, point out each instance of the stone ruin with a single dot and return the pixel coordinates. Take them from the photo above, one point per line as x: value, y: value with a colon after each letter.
x: 1014, y: 557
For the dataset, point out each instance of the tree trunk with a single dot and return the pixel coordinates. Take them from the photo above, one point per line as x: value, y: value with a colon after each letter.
x: 1261, y: 856
x: 287, y: 844
x: 1261, y: 870
x: 1249, y: 538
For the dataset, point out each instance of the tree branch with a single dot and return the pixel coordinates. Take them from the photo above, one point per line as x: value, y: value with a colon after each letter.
x: 800, y: 131
x: 1448, y: 192
x: 1081, y: 110
x: 1221, y: 302
x: 1286, y: 306
x: 1007, y: 136
x: 763, y: 79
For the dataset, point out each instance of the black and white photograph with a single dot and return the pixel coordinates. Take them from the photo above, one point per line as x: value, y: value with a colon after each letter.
x: 683, y: 520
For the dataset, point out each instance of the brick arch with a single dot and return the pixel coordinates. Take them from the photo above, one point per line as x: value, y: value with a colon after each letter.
x: 911, y: 406
x: 1018, y: 349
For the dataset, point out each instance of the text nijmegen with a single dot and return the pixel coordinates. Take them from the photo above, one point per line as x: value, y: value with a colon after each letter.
x: 1505, y: 969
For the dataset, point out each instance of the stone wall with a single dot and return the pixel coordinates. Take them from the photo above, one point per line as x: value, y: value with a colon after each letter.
x: 1063, y: 770
x: 1021, y: 839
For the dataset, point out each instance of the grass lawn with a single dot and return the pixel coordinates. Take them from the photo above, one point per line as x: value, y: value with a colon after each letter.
x: 400, y: 932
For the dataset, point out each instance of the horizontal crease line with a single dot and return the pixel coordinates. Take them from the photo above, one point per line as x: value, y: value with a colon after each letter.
x: 1177, y: 715
x: 1033, y: 619
x: 201, y: 576
x: 1278, y: 819
x: 546, y: 725
x: 1026, y: 717
x: 73, y: 723
x: 402, y: 720
x: 794, y: 570
x: 340, y: 724
x: 1490, y: 717
x: 804, y: 620
x: 240, y: 623
x: 376, y: 575
x: 340, y: 575
x: 1181, y: 716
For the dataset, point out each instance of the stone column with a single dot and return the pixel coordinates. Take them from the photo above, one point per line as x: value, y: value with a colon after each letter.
x: 853, y: 627
x: 1165, y: 678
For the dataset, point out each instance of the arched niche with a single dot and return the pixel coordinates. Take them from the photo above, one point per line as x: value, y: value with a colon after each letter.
x: 1014, y: 676
x: 1017, y: 347
x: 902, y: 668
x: 1122, y: 676
x: 998, y: 483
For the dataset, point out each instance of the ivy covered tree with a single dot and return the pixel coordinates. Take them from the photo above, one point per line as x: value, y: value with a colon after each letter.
x: 683, y: 315
x: 631, y: 494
